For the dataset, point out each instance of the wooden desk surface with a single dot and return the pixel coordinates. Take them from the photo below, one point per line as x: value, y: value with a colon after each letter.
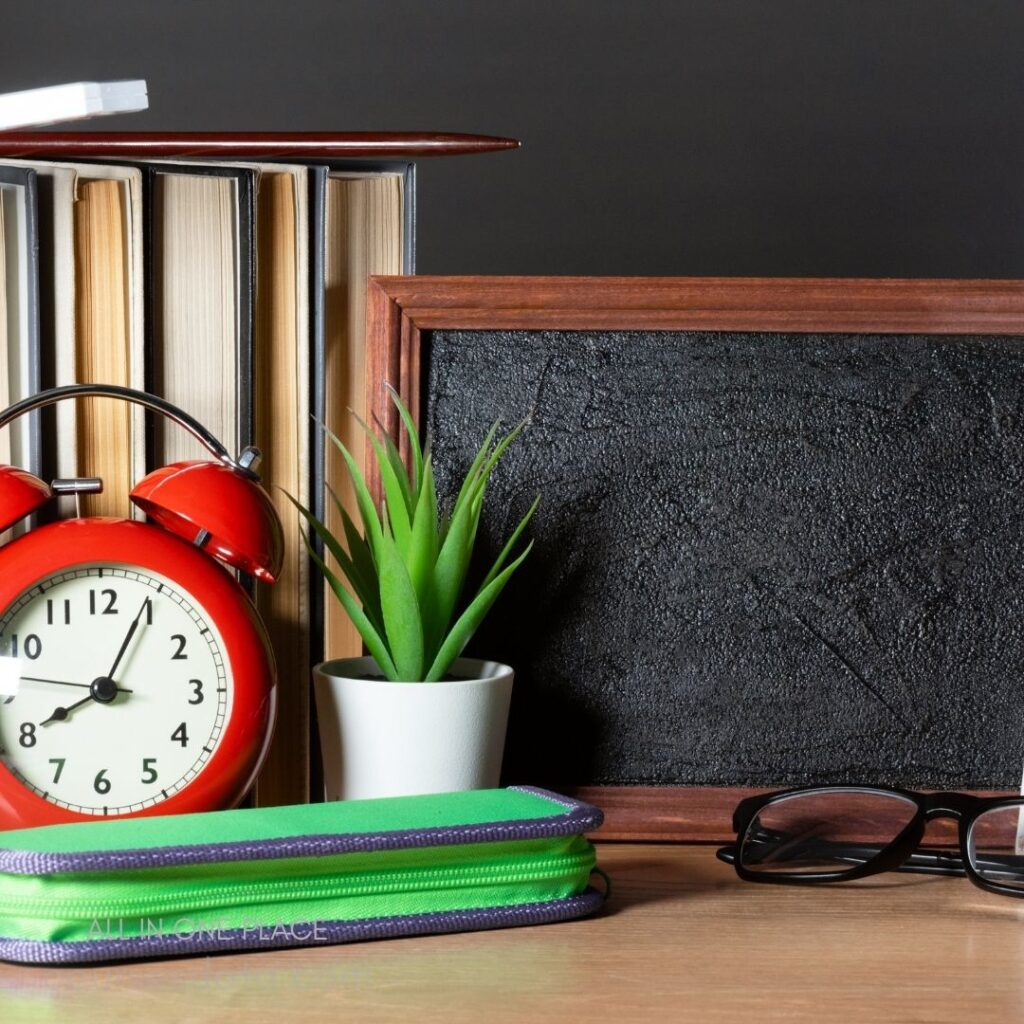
x: 682, y: 939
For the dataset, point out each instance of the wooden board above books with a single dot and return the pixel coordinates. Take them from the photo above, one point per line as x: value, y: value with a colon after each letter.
x: 249, y: 145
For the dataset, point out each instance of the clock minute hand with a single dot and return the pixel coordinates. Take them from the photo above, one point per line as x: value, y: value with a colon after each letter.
x: 128, y: 639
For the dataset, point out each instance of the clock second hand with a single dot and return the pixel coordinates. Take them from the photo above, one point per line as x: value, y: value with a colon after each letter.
x: 61, y: 682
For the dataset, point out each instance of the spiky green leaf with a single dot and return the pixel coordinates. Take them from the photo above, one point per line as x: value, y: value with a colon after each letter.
x: 413, y: 435
x: 487, y: 468
x: 364, y: 586
x: 358, y: 548
x: 330, y: 542
x: 510, y: 544
x: 396, y: 510
x: 410, y: 488
x: 367, y: 511
x: 374, y: 643
x: 474, y: 468
x: 423, y: 543
x: 401, y: 612
x: 468, y: 622
x: 449, y: 574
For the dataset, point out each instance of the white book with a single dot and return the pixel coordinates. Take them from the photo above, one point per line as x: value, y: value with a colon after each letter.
x: 55, y: 103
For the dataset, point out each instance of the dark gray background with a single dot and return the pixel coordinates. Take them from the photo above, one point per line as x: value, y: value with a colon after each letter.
x: 869, y: 137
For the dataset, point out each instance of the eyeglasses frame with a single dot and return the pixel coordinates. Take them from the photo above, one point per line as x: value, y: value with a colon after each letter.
x: 901, y: 853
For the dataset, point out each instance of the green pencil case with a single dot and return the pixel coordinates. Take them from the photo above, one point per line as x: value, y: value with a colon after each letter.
x: 294, y: 876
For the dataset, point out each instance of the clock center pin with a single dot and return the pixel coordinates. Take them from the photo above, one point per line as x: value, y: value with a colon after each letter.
x: 103, y: 689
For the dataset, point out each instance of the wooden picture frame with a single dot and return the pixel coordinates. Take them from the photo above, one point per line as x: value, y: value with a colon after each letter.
x: 401, y: 310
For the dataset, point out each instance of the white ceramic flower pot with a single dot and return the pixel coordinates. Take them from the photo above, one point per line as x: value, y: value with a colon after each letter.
x: 380, y: 738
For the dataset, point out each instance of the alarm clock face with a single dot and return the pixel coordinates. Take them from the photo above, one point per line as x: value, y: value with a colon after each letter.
x: 135, y: 676
x: 115, y: 689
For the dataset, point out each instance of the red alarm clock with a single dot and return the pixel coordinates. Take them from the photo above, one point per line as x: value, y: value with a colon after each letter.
x: 135, y: 675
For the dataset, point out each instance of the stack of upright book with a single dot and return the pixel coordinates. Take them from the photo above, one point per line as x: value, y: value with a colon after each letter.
x: 226, y: 273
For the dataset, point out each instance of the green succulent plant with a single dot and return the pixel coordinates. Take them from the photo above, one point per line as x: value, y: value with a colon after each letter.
x: 408, y: 566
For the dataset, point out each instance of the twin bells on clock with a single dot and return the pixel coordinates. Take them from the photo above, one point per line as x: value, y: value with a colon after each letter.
x: 217, y: 505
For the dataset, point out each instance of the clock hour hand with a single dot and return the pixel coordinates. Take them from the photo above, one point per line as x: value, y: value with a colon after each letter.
x: 59, y: 714
x: 102, y: 690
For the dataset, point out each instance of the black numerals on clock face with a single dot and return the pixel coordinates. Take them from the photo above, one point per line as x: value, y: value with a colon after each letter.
x: 103, y: 603
x: 53, y: 613
x: 31, y: 648
x: 117, y: 690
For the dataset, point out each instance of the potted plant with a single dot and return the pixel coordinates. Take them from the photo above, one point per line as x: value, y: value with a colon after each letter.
x: 413, y: 716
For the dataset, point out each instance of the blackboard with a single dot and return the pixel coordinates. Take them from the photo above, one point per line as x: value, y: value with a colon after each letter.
x: 760, y: 558
x: 780, y: 539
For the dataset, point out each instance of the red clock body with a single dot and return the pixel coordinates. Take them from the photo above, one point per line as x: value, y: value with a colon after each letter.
x: 135, y: 676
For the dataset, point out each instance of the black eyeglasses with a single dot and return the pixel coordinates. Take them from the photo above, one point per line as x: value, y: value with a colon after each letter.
x: 841, y: 833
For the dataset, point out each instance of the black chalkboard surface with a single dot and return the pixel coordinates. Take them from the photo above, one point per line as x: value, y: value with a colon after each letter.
x: 760, y: 558
x: 781, y: 537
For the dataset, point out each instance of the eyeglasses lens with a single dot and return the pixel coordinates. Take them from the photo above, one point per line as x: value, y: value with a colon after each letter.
x: 823, y: 831
x: 995, y: 845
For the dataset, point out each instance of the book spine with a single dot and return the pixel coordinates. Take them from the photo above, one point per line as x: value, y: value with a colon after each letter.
x: 246, y: 303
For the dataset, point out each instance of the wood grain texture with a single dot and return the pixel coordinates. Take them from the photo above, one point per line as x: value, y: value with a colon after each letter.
x: 682, y: 939
x: 400, y: 309
x: 699, y: 814
x: 248, y: 145
x: 695, y: 814
x: 735, y: 303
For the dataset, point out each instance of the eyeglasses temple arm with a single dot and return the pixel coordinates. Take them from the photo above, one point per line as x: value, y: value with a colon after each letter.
x: 931, y: 862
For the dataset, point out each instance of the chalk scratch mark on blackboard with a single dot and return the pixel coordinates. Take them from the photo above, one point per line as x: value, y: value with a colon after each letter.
x: 800, y: 394
x: 848, y: 665
x: 863, y: 620
x: 541, y: 381
x: 827, y: 743
x: 884, y: 555
x: 801, y: 437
